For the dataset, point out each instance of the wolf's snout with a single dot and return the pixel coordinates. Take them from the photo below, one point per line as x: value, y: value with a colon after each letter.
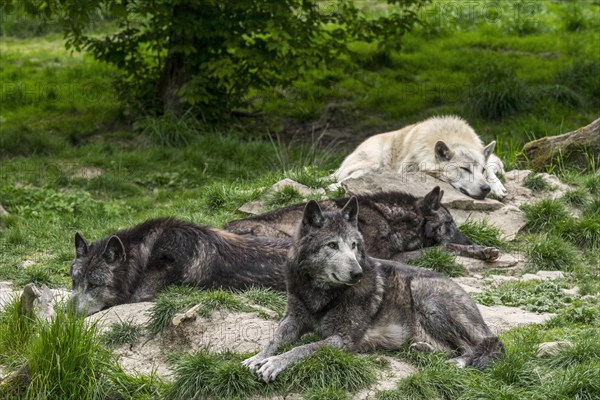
x: 485, y: 189
x: 356, y: 275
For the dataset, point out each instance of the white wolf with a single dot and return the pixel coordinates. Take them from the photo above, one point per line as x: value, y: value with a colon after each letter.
x: 445, y: 146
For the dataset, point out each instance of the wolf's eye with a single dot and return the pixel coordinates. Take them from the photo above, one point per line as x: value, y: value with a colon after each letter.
x: 353, y: 245
x: 333, y: 245
x: 91, y: 286
x: 465, y: 169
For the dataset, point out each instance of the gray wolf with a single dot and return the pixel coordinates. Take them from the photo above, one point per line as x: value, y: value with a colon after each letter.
x: 358, y: 303
x: 135, y: 264
x: 391, y: 223
x: 446, y: 147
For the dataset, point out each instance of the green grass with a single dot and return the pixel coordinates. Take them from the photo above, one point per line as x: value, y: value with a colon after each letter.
x: 549, y: 252
x: 483, y: 233
x: 545, y: 215
x: 534, y: 295
x: 121, y: 333
x: 537, y: 183
x: 16, y: 331
x: 204, y: 374
x: 438, y: 259
x: 176, y: 299
x: 514, y: 79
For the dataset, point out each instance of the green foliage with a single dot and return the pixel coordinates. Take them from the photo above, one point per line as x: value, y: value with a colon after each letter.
x: 180, y: 298
x: 537, y: 183
x: 576, y: 313
x: 15, y: 332
x: 496, y: 92
x: 576, y: 198
x: 271, y: 299
x: 439, y: 260
x: 210, y: 55
x: 549, y: 252
x: 483, y: 233
x: 121, y: 333
x: 66, y: 360
x: 538, y: 296
x: 545, y: 215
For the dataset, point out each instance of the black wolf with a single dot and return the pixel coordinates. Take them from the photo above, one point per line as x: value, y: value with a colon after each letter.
x: 390, y: 222
x: 358, y: 303
x: 135, y: 264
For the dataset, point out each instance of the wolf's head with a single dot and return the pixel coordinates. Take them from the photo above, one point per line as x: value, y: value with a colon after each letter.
x: 93, y: 274
x: 438, y: 225
x: 464, y: 168
x: 329, y: 247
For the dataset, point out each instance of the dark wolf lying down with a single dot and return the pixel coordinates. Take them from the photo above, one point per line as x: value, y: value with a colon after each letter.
x: 391, y: 223
x: 135, y: 264
x: 358, y: 303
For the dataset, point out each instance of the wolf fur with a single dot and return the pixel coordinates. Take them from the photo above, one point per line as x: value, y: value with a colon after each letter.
x: 135, y: 264
x: 446, y: 147
x: 391, y: 223
x: 358, y: 303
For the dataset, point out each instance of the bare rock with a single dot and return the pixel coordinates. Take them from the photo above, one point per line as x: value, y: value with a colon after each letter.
x: 552, y: 348
x: 573, y: 148
x: 417, y: 184
x: 3, y: 212
x: 519, y: 194
x: 506, y: 260
x: 240, y: 332
x: 550, y: 275
x: 38, y: 301
x: 258, y: 206
x: 573, y: 292
x: 503, y: 318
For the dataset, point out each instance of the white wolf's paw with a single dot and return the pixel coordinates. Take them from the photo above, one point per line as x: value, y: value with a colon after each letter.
x: 499, y: 191
x: 422, y: 346
x: 269, y: 368
x: 460, y: 362
x: 252, y: 362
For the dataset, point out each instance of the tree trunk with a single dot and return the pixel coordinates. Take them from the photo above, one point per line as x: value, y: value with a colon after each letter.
x: 580, y: 148
x: 174, y: 75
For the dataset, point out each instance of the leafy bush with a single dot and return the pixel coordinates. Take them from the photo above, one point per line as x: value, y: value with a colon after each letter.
x: 210, y: 55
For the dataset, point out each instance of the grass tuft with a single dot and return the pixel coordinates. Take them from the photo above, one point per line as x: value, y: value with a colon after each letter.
x: 537, y: 183
x: 577, y: 198
x: 121, y: 333
x: 550, y: 252
x: 66, y: 359
x: 439, y: 260
x: 285, y: 196
x: 545, y: 215
x: 592, y: 184
x: 180, y: 298
x: 483, y: 233
x: 15, y: 332
x: 270, y: 299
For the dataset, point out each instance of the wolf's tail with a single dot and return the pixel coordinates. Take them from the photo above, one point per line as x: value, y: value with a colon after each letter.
x: 487, y: 351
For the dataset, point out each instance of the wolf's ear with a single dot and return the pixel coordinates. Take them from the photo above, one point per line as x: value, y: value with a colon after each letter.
x: 312, y: 215
x: 443, y: 152
x: 488, y: 150
x: 350, y: 211
x: 114, y: 250
x: 432, y: 200
x: 81, y: 245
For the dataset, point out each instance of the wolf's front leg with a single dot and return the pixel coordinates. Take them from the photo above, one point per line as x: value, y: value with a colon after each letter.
x: 287, y: 331
x: 268, y: 369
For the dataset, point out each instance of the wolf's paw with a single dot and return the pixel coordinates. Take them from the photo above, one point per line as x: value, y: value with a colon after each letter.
x: 252, y: 362
x: 499, y: 191
x: 422, y: 346
x: 490, y: 253
x: 460, y: 362
x: 268, y: 369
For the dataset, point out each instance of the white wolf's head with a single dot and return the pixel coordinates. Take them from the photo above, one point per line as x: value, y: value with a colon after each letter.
x: 464, y: 168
